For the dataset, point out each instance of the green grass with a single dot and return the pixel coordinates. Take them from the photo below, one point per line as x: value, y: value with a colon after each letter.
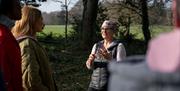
x: 56, y: 30
x: 155, y: 30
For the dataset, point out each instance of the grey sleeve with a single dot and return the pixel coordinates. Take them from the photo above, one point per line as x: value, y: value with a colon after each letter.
x: 121, y: 52
x: 93, y: 51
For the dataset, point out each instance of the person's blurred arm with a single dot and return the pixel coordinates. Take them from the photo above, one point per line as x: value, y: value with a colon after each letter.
x: 90, y: 60
x: 121, y: 52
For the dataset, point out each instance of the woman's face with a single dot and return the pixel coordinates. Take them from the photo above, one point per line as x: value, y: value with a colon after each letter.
x: 106, y: 33
x: 39, y: 25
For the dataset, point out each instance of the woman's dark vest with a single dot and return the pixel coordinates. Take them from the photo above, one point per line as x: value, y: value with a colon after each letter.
x: 100, y: 74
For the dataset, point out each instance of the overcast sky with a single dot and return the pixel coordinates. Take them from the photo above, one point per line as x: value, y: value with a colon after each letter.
x: 51, y: 6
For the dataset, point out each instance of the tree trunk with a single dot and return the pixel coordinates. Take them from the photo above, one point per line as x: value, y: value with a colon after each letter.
x: 66, y: 23
x: 145, y: 21
x: 88, y: 23
x: 127, y: 32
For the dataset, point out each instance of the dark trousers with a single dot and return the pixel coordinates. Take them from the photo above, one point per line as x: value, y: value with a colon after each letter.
x: 93, y: 89
x: 104, y: 88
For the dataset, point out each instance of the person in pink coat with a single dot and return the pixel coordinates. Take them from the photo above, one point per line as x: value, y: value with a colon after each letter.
x: 164, y: 51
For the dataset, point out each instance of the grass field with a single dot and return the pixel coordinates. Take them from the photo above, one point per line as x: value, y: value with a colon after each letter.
x: 56, y: 30
x: 155, y: 30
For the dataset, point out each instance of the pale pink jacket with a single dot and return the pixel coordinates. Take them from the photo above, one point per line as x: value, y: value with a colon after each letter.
x: 164, y: 52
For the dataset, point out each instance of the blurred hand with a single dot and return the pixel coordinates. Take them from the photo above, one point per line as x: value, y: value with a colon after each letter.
x: 105, y: 53
x: 90, y: 61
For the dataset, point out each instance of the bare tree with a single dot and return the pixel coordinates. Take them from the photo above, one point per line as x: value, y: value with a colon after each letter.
x: 140, y: 8
x: 65, y: 4
x: 35, y: 3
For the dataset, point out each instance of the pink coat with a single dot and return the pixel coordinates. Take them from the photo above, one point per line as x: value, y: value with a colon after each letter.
x: 164, y: 52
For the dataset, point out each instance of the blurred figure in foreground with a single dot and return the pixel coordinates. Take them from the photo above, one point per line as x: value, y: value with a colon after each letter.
x: 2, y: 83
x: 37, y: 75
x: 10, y: 56
x: 158, y: 71
x: 164, y: 51
x: 102, y: 53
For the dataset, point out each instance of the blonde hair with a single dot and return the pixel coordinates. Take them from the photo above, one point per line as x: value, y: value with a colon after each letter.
x: 26, y: 26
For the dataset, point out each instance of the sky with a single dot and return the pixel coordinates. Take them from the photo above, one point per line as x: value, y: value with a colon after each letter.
x: 51, y: 5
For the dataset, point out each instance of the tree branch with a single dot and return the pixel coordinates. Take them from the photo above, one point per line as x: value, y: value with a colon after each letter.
x: 57, y: 1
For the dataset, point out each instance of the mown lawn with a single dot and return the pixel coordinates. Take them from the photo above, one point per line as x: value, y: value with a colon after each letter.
x: 69, y: 66
x: 56, y: 30
x: 155, y: 30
